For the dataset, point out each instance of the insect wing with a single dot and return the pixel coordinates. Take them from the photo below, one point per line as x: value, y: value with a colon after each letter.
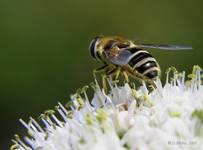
x: 120, y: 59
x: 164, y: 47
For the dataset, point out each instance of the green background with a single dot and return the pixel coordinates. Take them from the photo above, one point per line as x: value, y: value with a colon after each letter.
x: 44, y: 47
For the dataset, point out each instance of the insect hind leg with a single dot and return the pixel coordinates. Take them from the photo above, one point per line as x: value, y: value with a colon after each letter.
x: 139, y: 77
x: 142, y: 78
x: 126, y: 78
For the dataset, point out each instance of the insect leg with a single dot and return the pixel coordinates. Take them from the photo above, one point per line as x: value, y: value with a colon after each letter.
x: 104, y: 76
x: 103, y: 70
x: 112, y: 71
x: 115, y: 71
x: 125, y: 74
x: 138, y: 76
x: 118, y: 71
x: 141, y: 77
x: 100, y: 69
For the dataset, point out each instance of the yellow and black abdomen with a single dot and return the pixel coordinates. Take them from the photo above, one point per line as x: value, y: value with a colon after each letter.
x: 144, y: 63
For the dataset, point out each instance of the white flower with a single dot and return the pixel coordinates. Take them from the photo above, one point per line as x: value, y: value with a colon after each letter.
x: 168, y: 117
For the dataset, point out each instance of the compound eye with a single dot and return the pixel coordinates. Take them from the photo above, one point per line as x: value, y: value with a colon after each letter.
x: 92, y: 47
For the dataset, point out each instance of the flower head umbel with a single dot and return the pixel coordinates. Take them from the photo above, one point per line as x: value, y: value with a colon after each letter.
x: 169, y: 117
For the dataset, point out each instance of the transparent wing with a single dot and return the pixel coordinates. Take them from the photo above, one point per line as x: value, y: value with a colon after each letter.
x: 121, y: 58
x: 165, y: 47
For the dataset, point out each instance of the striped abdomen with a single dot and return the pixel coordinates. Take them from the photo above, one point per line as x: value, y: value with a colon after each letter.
x: 144, y: 63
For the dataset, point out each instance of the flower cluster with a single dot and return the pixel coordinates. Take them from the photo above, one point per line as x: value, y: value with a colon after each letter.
x: 125, y: 118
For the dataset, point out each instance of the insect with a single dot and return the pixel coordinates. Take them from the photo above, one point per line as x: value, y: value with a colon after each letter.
x: 120, y: 55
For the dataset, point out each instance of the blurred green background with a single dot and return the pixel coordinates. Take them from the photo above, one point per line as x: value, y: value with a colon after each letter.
x: 44, y: 47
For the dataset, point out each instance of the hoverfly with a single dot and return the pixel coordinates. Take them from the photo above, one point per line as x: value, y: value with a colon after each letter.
x: 120, y: 55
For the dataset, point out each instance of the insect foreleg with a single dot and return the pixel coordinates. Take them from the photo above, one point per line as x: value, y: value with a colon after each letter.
x: 104, y: 77
x: 112, y: 71
x: 115, y: 71
x: 101, y: 69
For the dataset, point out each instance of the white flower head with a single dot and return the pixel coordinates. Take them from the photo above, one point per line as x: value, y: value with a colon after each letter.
x: 168, y: 117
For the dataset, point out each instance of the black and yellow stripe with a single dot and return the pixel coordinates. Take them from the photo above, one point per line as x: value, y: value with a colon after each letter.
x: 144, y: 63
